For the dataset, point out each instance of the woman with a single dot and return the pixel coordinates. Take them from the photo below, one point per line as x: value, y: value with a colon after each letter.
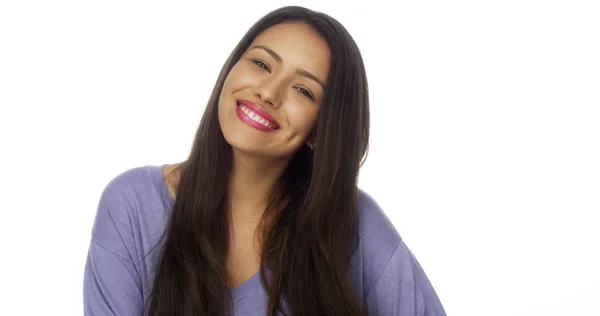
x: 264, y: 217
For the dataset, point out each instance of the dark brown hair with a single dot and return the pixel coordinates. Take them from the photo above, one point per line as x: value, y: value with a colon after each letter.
x: 311, y: 232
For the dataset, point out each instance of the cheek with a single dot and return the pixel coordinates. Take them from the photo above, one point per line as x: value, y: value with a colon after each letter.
x: 303, y: 119
x: 232, y: 83
x: 231, y: 77
x: 238, y: 77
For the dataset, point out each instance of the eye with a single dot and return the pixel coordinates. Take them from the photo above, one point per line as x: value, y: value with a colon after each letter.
x: 261, y: 64
x: 306, y: 93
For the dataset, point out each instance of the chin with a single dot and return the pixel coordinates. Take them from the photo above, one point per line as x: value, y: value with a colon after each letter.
x: 244, y: 139
x: 246, y: 144
x: 258, y: 149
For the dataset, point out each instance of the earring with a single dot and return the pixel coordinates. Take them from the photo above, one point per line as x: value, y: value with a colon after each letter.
x: 312, y: 146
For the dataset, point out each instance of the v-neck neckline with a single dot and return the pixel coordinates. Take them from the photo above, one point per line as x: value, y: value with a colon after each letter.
x: 238, y: 291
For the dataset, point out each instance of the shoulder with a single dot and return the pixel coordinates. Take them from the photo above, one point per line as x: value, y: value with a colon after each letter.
x: 378, y: 237
x: 118, y: 272
x: 375, y: 228
x: 129, y: 180
x: 127, y: 206
x: 126, y: 188
x: 393, y: 281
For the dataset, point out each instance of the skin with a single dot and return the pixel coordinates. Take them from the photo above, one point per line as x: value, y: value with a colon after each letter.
x: 283, y: 71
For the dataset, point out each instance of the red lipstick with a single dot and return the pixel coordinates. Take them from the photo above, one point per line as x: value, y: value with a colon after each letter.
x: 255, y: 116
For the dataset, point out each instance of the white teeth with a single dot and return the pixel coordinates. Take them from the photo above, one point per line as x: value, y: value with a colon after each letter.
x: 257, y: 118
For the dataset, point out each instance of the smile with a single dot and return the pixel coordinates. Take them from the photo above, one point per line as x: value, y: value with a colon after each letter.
x: 257, y: 118
x: 252, y: 118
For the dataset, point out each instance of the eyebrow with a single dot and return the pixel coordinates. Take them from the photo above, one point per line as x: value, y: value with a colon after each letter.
x: 300, y: 72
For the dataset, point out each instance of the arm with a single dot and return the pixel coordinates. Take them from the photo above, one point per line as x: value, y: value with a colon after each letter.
x: 112, y: 284
x: 403, y: 289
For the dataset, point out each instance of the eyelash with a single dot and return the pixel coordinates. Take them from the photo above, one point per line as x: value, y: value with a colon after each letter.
x: 308, y: 94
x: 261, y: 63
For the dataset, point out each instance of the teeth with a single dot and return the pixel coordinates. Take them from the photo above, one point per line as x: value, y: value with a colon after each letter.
x: 257, y: 118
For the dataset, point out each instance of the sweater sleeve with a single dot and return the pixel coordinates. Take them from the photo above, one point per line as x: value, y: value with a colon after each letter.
x: 403, y: 289
x: 112, y: 283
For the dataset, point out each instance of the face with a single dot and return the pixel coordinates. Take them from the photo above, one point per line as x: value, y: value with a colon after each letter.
x: 271, y: 98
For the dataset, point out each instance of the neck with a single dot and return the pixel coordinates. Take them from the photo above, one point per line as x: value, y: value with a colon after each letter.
x: 252, y: 182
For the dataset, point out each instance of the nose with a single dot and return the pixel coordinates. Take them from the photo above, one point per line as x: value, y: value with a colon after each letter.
x: 269, y: 91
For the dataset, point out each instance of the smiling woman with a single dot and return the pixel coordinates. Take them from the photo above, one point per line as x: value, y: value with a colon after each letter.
x: 284, y: 73
x: 265, y: 216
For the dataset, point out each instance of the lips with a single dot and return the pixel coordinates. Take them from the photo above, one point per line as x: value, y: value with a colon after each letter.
x: 255, y: 116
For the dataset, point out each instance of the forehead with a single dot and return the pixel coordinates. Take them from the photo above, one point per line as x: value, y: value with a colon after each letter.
x: 298, y: 45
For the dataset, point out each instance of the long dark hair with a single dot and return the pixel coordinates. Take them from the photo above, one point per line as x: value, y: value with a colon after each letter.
x: 312, y: 214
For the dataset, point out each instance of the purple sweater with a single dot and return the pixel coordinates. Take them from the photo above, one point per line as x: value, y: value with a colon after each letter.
x: 133, y: 212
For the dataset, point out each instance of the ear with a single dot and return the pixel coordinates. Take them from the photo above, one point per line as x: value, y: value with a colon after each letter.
x: 310, y: 140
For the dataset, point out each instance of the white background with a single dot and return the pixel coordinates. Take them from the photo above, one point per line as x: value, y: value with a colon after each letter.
x: 484, y: 149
